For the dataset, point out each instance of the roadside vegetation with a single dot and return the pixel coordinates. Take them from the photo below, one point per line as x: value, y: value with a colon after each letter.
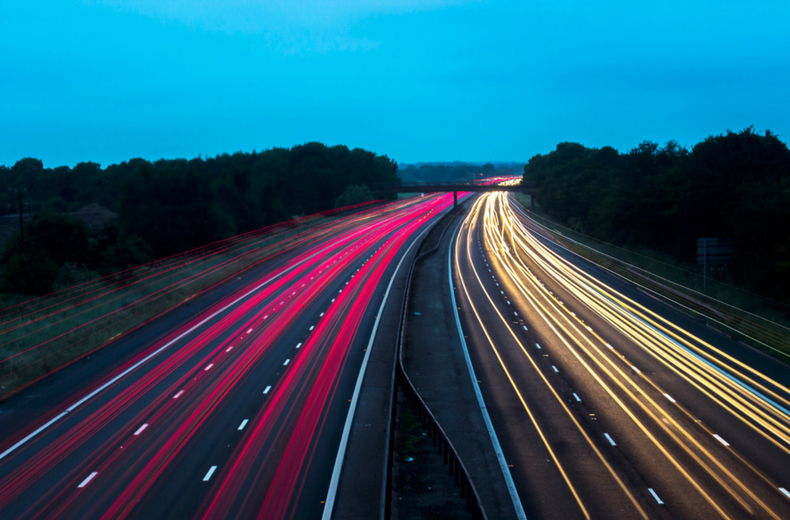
x: 759, y: 321
x: 166, y: 207
x: 180, y: 228
x: 43, y: 334
x: 662, y: 199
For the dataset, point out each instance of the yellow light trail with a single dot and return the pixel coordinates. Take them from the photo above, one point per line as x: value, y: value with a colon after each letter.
x: 739, y: 389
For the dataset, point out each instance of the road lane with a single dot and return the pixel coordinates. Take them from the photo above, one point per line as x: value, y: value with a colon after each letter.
x: 241, y: 364
x: 600, y: 350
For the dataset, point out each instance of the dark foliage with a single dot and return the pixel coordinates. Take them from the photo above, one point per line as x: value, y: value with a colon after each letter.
x: 735, y: 185
x: 169, y: 206
x: 453, y: 172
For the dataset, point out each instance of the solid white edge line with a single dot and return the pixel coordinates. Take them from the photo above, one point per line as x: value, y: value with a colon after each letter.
x: 88, y: 479
x: 786, y: 492
x: 511, y: 486
x: 33, y: 434
x: 655, y: 495
x: 331, y: 494
x: 718, y: 438
x: 141, y: 429
x: 243, y: 424
x: 210, y: 472
x: 151, y: 355
x: 609, y: 438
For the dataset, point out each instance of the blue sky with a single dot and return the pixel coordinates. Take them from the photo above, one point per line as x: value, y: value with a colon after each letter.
x: 433, y: 80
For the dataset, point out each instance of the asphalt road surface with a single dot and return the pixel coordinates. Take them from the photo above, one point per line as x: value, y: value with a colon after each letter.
x: 608, y: 403
x: 232, y: 407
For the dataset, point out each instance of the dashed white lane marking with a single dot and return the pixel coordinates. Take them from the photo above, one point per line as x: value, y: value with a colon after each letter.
x: 555, y: 369
x: 180, y: 392
x: 609, y: 346
x: 515, y: 313
x: 267, y: 389
x: 608, y: 438
x: 249, y: 330
x: 229, y: 348
x: 90, y: 477
x: 286, y: 362
x: 208, y: 367
x: 312, y: 327
x: 340, y: 291
x: 537, y: 345
x: 577, y: 397
x: 298, y: 345
x: 525, y: 327
x: 243, y: 424
x: 265, y: 316
x: 141, y: 429
x: 636, y: 370
x: 669, y: 397
x: 333, y: 300
x: 716, y: 436
x: 660, y: 502
x: 503, y: 292
x: 786, y: 492
x: 321, y: 315
x: 508, y: 302
x: 210, y: 472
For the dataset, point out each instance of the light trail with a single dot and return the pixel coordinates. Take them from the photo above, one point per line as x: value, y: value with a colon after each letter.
x: 178, y: 395
x: 743, y: 392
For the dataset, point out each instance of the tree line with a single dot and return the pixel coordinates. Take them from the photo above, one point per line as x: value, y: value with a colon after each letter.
x: 733, y: 185
x: 454, y: 172
x: 170, y: 205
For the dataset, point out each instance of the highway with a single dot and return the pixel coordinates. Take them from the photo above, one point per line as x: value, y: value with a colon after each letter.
x: 607, y: 402
x: 231, y: 408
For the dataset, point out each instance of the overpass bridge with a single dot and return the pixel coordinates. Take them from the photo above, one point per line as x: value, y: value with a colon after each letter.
x: 446, y: 187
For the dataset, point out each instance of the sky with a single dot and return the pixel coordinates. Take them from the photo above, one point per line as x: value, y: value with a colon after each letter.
x: 418, y: 81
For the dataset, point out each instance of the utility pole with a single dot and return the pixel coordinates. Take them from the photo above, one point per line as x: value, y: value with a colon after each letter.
x: 21, y: 217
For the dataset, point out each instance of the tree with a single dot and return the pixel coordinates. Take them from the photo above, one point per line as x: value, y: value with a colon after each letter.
x: 354, y: 194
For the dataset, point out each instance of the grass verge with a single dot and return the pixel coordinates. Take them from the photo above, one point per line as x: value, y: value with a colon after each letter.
x: 743, y: 315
